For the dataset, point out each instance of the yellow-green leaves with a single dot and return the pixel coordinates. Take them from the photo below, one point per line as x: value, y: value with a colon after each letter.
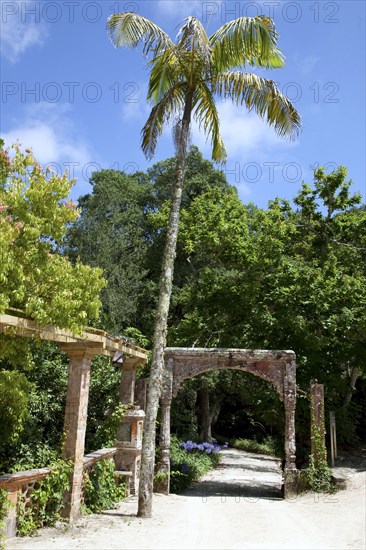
x: 246, y: 41
x: 130, y: 29
x: 34, y: 214
x: 263, y: 97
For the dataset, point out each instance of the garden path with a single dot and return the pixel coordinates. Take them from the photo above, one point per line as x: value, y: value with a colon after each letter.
x: 236, y: 506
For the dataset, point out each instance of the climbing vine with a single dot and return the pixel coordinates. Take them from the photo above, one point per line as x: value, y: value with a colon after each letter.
x: 46, y: 500
x: 4, y: 503
x: 318, y: 475
x: 100, y: 488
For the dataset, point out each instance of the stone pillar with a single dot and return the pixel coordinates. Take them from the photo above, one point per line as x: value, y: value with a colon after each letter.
x: 290, y: 442
x: 75, y: 420
x: 129, y: 445
x: 162, y: 483
x: 128, y: 380
x: 318, y: 448
x: 129, y: 434
x: 141, y: 392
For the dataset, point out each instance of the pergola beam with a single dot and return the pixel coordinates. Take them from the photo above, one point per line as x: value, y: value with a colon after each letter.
x: 94, y: 338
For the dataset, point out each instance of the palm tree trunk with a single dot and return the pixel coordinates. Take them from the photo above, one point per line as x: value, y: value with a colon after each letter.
x: 161, y: 322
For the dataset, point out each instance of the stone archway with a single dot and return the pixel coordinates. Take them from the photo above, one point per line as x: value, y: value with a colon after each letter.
x: 276, y: 367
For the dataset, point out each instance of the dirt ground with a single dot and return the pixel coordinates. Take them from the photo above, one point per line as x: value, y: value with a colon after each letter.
x: 235, y: 506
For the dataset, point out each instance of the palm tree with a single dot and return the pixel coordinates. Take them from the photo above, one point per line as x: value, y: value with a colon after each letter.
x: 185, y: 78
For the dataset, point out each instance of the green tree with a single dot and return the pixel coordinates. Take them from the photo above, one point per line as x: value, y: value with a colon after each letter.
x: 285, y: 278
x: 184, y: 79
x: 333, y: 237
x: 111, y: 233
x: 34, y: 276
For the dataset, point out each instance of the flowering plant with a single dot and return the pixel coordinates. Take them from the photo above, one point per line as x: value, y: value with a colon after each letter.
x: 206, y: 447
x: 189, y: 461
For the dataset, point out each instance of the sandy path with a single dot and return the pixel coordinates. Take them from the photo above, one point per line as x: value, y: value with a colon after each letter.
x: 235, y: 506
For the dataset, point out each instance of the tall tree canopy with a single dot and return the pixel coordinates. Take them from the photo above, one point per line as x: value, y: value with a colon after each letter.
x: 111, y: 233
x: 185, y: 78
x: 291, y: 277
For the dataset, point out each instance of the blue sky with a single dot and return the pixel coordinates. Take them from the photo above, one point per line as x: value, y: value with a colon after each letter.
x: 80, y: 103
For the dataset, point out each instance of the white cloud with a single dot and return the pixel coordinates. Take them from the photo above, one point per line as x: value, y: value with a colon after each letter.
x: 243, y: 133
x: 47, y: 129
x: 309, y: 63
x: 19, y: 31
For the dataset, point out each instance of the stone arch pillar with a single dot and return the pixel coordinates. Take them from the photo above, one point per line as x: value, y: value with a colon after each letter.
x: 289, y: 399
x: 275, y: 366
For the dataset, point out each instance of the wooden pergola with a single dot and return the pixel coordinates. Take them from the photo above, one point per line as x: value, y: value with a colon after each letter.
x: 80, y: 348
x: 23, y: 326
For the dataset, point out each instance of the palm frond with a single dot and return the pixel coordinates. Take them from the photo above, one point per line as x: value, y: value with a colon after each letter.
x: 193, y: 37
x: 163, y: 75
x: 205, y: 113
x: 129, y: 29
x: 262, y: 96
x: 246, y: 41
x: 170, y: 105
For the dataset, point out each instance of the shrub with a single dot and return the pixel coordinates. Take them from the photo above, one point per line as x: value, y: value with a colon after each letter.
x: 47, y: 500
x: 269, y: 446
x: 190, y: 461
x: 100, y: 489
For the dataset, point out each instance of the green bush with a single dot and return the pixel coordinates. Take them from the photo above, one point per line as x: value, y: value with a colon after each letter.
x: 4, y: 502
x: 47, y: 500
x: 269, y: 446
x: 100, y: 489
x: 318, y: 476
x: 14, y: 398
x: 187, y: 467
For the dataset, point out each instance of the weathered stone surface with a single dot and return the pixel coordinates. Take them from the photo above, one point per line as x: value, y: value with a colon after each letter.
x: 318, y: 451
x: 268, y: 365
x: 75, y: 421
x: 275, y: 366
x: 129, y: 444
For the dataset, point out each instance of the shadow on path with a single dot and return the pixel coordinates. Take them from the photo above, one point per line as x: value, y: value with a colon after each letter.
x: 241, y: 475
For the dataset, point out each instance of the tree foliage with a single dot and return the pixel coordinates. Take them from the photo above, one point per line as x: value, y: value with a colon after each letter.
x: 111, y: 234
x: 290, y: 277
x: 14, y: 398
x: 34, y: 276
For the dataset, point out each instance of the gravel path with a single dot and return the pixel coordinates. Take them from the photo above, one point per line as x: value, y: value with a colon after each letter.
x: 236, y: 506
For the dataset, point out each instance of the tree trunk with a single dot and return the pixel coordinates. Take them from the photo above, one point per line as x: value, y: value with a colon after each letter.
x: 161, y: 322
x: 203, y: 414
x: 353, y: 375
